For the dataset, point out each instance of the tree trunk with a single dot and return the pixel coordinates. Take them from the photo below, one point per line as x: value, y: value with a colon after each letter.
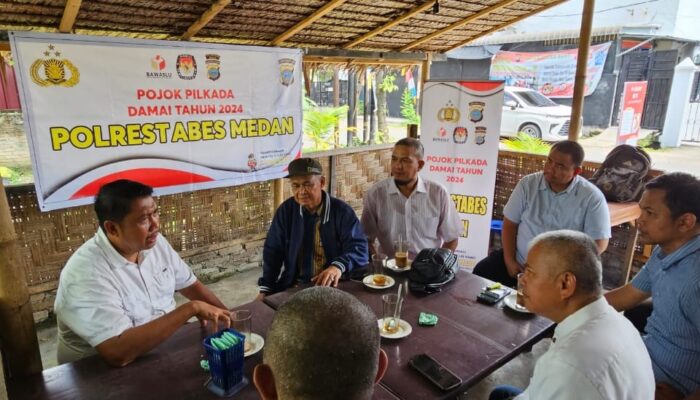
x: 382, y: 105
x: 365, y: 115
x: 352, y: 106
x: 336, y: 103
x: 20, y: 347
x: 372, y: 110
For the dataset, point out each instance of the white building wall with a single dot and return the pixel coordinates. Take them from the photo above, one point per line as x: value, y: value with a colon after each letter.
x: 664, y: 13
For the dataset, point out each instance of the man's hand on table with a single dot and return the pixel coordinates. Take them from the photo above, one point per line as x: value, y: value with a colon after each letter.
x: 260, y: 297
x: 207, y: 313
x: 328, y: 277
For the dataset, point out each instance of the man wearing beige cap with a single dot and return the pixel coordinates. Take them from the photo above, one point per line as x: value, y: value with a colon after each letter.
x: 313, y: 237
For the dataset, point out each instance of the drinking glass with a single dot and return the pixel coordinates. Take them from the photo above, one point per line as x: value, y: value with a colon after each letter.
x: 242, y: 321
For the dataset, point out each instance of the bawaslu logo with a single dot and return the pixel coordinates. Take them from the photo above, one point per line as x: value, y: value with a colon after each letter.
x: 158, y: 66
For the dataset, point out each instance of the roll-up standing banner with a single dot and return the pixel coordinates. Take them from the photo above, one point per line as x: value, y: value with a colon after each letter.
x: 460, y: 129
x: 179, y: 116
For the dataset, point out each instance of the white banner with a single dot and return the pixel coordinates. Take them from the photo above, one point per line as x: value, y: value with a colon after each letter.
x: 179, y: 116
x: 460, y: 129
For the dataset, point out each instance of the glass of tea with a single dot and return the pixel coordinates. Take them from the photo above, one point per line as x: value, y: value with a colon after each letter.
x: 401, y: 253
x: 242, y: 321
x: 391, y: 306
x: 519, y: 299
x: 378, y: 263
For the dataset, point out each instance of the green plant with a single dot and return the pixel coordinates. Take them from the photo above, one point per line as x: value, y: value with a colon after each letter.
x: 650, y: 141
x: 16, y: 175
x: 388, y: 84
x: 527, y: 144
x: 320, y: 124
x: 408, y: 108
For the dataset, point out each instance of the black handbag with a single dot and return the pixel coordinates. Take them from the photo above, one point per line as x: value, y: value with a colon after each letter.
x: 432, y: 269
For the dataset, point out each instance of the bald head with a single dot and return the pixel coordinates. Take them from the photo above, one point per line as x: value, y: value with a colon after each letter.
x: 323, y: 344
x: 575, y: 252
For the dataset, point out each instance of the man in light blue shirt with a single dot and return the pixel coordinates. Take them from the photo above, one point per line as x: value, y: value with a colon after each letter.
x: 670, y: 219
x: 556, y: 198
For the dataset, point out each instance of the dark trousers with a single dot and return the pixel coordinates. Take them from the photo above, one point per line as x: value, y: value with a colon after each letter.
x: 494, y: 267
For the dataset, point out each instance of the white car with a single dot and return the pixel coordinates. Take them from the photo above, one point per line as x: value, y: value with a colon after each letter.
x: 528, y: 111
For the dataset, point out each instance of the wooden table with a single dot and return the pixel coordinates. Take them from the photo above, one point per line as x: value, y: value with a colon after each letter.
x: 621, y: 213
x: 470, y: 339
x: 170, y: 371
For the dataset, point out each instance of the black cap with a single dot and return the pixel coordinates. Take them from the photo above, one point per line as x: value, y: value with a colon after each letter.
x: 304, y: 167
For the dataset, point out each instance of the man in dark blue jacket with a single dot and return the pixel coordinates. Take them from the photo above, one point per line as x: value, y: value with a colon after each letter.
x: 313, y: 237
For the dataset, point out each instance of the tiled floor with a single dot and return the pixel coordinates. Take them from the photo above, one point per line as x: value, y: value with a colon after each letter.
x: 241, y: 288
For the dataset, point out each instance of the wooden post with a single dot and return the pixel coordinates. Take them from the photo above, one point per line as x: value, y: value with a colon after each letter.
x: 17, y: 331
x: 277, y: 189
x: 3, y: 386
x: 584, y: 42
x: 412, y: 131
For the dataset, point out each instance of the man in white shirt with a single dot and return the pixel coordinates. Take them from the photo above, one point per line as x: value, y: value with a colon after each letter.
x: 419, y: 211
x: 115, y: 294
x: 596, y: 353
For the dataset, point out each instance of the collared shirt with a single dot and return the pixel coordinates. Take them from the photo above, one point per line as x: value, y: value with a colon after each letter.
x: 101, y: 294
x: 673, y: 329
x: 537, y: 209
x: 427, y: 218
x: 597, y: 354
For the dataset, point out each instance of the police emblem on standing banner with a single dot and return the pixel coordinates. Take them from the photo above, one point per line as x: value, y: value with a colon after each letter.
x: 213, y: 61
x: 186, y: 66
x: 476, y: 111
x: 54, y: 71
x: 286, y: 71
x: 460, y: 135
x: 480, y: 135
x: 449, y: 113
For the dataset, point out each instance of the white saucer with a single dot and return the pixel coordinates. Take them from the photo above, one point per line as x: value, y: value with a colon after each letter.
x: 258, y: 342
x: 512, y: 303
x: 391, y: 264
x: 405, y: 329
x: 370, y: 283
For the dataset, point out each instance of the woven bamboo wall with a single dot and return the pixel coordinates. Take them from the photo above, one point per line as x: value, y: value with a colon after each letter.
x: 220, y: 231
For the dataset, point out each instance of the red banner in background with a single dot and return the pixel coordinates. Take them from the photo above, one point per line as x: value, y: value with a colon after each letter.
x: 631, y: 108
x: 9, y: 96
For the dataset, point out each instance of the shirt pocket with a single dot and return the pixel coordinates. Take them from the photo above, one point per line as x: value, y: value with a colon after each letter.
x: 428, y: 227
x: 164, y: 282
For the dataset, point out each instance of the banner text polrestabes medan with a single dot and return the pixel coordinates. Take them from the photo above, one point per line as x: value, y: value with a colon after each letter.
x: 115, y: 135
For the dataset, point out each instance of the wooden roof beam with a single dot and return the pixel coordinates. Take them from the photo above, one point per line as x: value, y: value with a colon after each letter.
x: 459, y: 24
x: 498, y: 28
x: 328, y: 7
x: 416, y: 10
x: 205, y: 18
x: 70, y: 13
x: 359, y: 61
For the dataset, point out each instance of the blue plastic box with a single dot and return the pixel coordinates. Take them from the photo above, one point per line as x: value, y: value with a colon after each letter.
x: 226, y: 366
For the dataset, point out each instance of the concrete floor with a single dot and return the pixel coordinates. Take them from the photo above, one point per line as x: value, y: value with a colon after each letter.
x: 242, y: 288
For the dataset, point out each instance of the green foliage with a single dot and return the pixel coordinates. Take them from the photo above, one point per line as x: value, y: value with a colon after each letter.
x: 527, y: 144
x: 650, y: 141
x: 408, y: 108
x: 320, y: 123
x: 388, y: 84
x: 16, y: 175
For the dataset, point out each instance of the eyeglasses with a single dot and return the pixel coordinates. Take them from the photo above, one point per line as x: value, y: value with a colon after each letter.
x: 307, y: 186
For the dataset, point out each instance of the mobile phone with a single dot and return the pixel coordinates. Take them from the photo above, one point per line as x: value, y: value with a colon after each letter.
x: 435, y: 372
x: 492, y: 296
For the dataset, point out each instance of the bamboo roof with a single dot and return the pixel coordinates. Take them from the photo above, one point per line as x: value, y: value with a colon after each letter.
x: 366, y: 25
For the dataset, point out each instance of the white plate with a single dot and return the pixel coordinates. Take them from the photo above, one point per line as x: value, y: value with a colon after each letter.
x: 258, y: 342
x: 405, y: 329
x: 512, y: 302
x: 391, y: 264
x: 370, y: 283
